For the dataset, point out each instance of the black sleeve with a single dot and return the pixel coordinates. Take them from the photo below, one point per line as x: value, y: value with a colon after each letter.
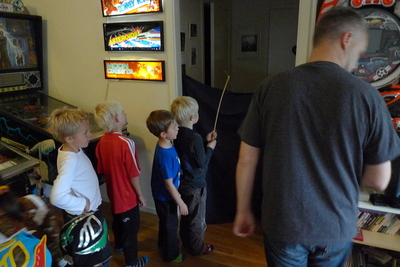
x: 200, y: 153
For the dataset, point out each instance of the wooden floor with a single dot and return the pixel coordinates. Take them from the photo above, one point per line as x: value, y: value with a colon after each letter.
x: 229, y: 250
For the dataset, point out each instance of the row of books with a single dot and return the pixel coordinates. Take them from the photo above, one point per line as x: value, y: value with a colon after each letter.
x: 382, y: 222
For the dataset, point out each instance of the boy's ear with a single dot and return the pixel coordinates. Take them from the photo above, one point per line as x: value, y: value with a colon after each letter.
x: 163, y: 134
x: 68, y: 139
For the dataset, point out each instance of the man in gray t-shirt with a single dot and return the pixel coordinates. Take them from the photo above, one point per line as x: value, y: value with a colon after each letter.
x: 321, y: 133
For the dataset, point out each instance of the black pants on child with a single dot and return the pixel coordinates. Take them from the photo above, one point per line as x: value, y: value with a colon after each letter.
x: 125, y: 227
x: 193, y: 226
x: 168, y: 239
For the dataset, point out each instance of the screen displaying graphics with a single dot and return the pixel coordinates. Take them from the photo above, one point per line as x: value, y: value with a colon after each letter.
x: 380, y: 64
x: 134, y: 70
x: 126, y: 7
x: 18, y: 47
x: 21, y: 58
x: 134, y: 36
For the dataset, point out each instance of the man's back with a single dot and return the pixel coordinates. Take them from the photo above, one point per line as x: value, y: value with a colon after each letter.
x: 317, y: 131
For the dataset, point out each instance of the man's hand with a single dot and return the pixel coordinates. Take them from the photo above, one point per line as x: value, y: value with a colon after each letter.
x: 244, y: 225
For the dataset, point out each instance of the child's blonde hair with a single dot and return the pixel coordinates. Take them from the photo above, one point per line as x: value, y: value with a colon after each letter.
x: 105, y: 112
x: 66, y: 121
x: 183, y: 108
x: 159, y: 121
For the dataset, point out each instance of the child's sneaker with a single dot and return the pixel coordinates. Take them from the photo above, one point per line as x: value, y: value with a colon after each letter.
x: 180, y: 258
x: 142, y: 261
x: 209, y: 249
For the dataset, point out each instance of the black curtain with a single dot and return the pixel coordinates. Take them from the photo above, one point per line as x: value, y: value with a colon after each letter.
x: 221, y: 199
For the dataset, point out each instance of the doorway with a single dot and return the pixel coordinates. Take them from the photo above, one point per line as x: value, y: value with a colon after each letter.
x: 217, y: 44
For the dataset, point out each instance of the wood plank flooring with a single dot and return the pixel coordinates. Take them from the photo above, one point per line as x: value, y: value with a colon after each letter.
x: 229, y: 250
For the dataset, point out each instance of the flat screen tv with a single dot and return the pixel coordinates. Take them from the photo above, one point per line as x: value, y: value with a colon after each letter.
x: 134, y: 36
x: 21, y: 57
x: 127, y: 7
x: 134, y: 70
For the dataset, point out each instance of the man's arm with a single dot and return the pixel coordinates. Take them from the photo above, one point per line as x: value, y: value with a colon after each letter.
x: 244, y: 223
x: 377, y: 176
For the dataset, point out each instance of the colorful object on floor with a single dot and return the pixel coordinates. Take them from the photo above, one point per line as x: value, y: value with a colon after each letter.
x: 23, y: 249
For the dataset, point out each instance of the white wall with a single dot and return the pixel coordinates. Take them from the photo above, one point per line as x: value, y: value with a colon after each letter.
x: 74, y: 54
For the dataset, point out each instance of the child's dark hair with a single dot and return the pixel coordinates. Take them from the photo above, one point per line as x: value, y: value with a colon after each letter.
x: 9, y: 203
x: 159, y: 121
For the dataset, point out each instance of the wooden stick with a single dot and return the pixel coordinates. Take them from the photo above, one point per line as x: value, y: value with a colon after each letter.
x: 220, y: 101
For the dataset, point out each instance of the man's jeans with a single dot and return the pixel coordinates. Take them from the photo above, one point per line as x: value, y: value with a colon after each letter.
x: 281, y: 254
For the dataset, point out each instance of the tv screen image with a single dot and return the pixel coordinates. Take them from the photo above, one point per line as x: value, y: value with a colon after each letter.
x: 134, y: 36
x: 17, y: 44
x: 21, y: 57
x: 126, y: 7
x: 134, y: 70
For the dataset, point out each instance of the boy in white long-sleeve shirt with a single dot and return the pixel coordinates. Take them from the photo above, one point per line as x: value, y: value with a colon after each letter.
x: 76, y: 188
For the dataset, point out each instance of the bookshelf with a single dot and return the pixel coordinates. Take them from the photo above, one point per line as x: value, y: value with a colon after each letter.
x: 375, y: 239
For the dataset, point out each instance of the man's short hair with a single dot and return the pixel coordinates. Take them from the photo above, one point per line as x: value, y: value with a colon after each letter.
x: 66, y: 122
x: 159, y: 121
x: 183, y: 107
x: 337, y: 21
x: 105, y: 112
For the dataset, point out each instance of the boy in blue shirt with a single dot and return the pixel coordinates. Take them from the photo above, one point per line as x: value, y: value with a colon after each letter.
x: 165, y: 182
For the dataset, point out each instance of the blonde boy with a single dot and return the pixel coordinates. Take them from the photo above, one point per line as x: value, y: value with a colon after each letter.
x: 164, y: 183
x: 118, y: 162
x: 76, y: 188
x: 195, y: 154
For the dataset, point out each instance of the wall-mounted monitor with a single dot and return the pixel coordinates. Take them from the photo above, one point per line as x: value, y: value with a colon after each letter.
x: 127, y: 7
x: 134, y: 36
x: 21, y: 57
x: 134, y: 70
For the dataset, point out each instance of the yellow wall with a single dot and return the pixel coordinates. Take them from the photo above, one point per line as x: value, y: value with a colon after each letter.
x: 74, y: 54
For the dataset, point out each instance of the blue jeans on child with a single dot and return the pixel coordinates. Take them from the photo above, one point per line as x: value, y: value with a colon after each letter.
x: 282, y: 254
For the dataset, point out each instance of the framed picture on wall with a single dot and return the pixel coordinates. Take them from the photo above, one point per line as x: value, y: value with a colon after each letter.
x: 192, y: 30
x: 134, y: 70
x: 193, y: 56
x: 249, y: 43
x: 112, y: 8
